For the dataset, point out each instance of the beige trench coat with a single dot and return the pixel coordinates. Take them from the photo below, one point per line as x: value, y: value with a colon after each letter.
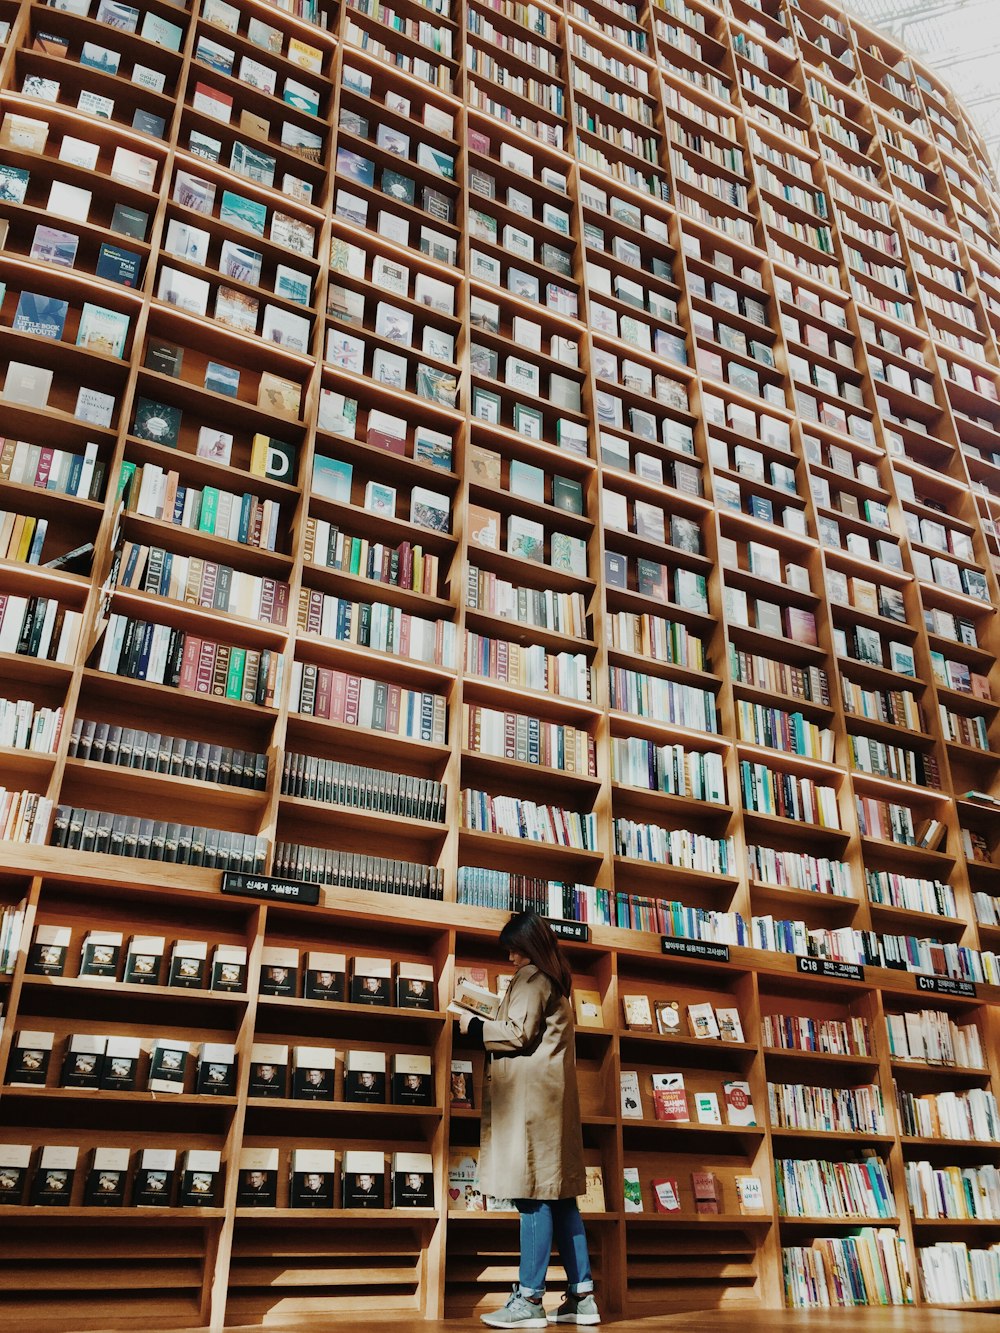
x: 532, y: 1142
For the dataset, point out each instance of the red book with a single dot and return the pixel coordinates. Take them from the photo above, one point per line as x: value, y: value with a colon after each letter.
x: 671, y: 1104
x: 324, y: 692
x: 666, y: 1196
x: 338, y: 696
x: 206, y: 667
x: 706, y: 1192
x: 189, y: 663
x: 380, y: 440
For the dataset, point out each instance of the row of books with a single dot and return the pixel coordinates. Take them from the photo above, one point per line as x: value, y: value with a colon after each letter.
x: 145, y: 650
x: 354, y: 870
x: 379, y: 626
x: 856, y: 1110
x: 94, y: 1061
x: 102, y: 952
x: 528, y: 740
x: 769, y: 792
x: 84, y: 830
x: 98, y: 329
x: 800, y: 870
x: 515, y: 817
x: 336, y: 782
x: 528, y: 666
x: 935, y: 1037
x: 952, y: 1273
x: 11, y: 925
x: 178, y: 756
x: 707, y: 1193
x: 160, y: 1177
x: 827, y: 1036
x: 151, y: 491
x: 24, y: 816
x: 60, y: 470
x: 203, y: 583
x: 670, y: 1100
x: 23, y: 726
x: 816, y: 1188
x: 38, y: 627
x: 971, y: 1192
x: 407, y: 565
x: 869, y: 1268
x: 674, y: 847
x: 971, y: 1115
x: 359, y: 701
x: 910, y: 892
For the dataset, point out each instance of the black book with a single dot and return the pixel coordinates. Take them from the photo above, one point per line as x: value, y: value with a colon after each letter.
x: 52, y: 1186
x: 47, y: 955
x: 363, y: 1179
x: 268, y: 1070
x: 257, y: 1182
x: 188, y: 964
x: 28, y: 1065
x: 153, y: 1186
x: 199, y: 1178
x: 412, y: 1180
x: 83, y: 1062
x: 279, y: 971
x: 121, y: 1064
x: 313, y: 1069
x: 415, y: 986
x: 144, y: 959
x: 14, y: 1161
x: 168, y: 1063
x: 325, y: 976
x: 364, y: 1076
x: 412, y: 1081
x: 370, y: 981
x: 312, y: 1178
x: 229, y: 962
x: 216, y: 1076
x: 106, y: 1181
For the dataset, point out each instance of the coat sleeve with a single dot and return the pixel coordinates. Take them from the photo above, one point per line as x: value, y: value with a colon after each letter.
x: 525, y: 1019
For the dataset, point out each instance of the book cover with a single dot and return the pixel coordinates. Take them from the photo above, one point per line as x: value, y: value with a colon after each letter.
x: 257, y: 1180
x: 460, y: 1085
x: 363, y: 1184
x: 637, y: 1013
x: 631, y: 1189
x: 739, y: 1103
x: 313, y: 1176
x: 412, y: 1180
x: 370, y: 980
x: 670, y: 1098
x: 666, y: 1196
x: 464, y: 1194
x: 631, y: 1099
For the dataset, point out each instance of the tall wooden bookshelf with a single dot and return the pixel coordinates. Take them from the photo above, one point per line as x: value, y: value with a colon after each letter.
x: 579, y: 419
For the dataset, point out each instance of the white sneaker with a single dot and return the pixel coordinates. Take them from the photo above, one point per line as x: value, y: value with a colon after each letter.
x: 519, y: 1312
x: 576, y: 1309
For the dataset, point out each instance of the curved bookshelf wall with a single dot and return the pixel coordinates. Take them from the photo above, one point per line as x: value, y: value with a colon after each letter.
x: 487, y: 454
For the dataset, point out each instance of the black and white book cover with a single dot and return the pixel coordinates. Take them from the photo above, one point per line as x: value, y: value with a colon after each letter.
x: 257, y: 1183
x: 279, y: 971
x: 268, y: 1069
x: 28, y: 1066
x: 364, y: 1076
x: 363, y: 1179
x: 153, y: 1186
x: 412, y: 1180
x: 106, y: 1181
x: 168, y: 1063
x: 370, y: 980
x: 83, y: 1062
x: 199, y: 1176
x: 216, y: 1076
x: 313, y: 1071
x: 412, y: 1084
x: 325, y: 976
x: 229, y: 967
x: 47, y: 955
x: 100, y: 954
x: 313, y: 1176
x: 415, y: 985
x: 188, y: 964
x: 52, y: 1184
x: 15, y: 1159
x: 121, y: 1063
x: 144, y: 959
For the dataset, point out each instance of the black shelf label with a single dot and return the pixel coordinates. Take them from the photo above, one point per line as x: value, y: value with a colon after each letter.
x: 274, y: 890
x: 718, y: 953
x: 569, y: 930
x: 823, y: 967
x: 947, y: 986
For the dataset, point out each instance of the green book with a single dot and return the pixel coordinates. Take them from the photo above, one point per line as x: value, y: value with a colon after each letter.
x: 209, y: 509
x: 234, y: 679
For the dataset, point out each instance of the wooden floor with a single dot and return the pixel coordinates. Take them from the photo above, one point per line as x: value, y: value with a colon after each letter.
x: 734, y: 1321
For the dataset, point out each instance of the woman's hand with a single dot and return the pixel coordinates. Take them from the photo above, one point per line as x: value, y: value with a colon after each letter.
x: 463, y: 1022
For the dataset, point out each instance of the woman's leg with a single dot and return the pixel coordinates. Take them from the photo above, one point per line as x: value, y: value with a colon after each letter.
x: 572, y: 1242
x: 536, y: 1244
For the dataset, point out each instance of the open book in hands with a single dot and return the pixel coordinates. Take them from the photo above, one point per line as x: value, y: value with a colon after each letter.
x: 473, y: 999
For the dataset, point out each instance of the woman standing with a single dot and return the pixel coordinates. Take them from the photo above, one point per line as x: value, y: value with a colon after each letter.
x: 532, y: 1142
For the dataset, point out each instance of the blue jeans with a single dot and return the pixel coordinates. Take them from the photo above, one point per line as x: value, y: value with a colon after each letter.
x: 540, y: 1219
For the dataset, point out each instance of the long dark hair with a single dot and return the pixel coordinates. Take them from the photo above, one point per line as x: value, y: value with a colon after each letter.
x: 527, y: 933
